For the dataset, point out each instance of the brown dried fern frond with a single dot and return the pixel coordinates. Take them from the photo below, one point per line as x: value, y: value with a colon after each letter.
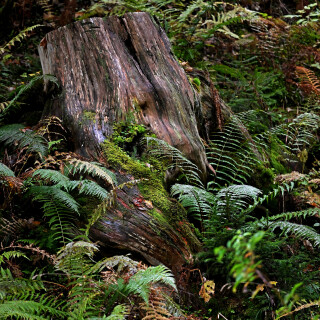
x: 11, y: 229
x: 309, y: 82
x: 157, y: 308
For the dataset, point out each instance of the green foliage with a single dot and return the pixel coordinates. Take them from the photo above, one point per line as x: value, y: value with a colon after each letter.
x: 12, y: 134
x: 5, y: 171
x: 243, y: 264
x: 14, y: 105
x: 162, y: 150
x: 22, y: 35
x: 230, y: 155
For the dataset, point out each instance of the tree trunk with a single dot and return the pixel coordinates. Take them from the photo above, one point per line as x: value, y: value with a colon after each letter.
x: 115, y: 68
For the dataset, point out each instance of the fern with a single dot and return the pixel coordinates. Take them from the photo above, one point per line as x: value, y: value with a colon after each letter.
x: 59, y: 207
x: 298, y: 230
x: 5, y: 171
x: 118, y: 313
x: 231, y: 158
x: 7, y: 255
x: 309, y: 82
x: 94, y: 169
x: 163, y: 150
x: 22, y: 35
x: 53, y: 176
x: 197, y: 201
x: 18, y: 288
x: 36, y: 81
x: 157, y: 308
x: 16, y: 133
x: 141, y: 282
x: 235, y: 198
x: 30, y: 309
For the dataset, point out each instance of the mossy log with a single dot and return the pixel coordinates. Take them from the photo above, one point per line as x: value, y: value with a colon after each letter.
x: 115, y: 67
x: 135, y: 225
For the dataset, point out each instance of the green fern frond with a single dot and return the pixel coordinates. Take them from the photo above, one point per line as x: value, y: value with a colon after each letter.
x: 59, y: 207
x: 22, y: 35
x: 141, y: 282
x: 92, y: 168
x: 12, y: 106
x: 296, y: 214
x: 7, y: 255
x: 197, y: 201
x: 5, y: 171
x: 30, y: 310
x: 88, y: 188
x: 53, y: 176
x: 18, y: 288
x: 298, y: 230
x: 16, y: 134
x: 231, y: 156
x: 119, y: 312
x: 60, y: 197
x: 163, y: 150
x: 235, y: 199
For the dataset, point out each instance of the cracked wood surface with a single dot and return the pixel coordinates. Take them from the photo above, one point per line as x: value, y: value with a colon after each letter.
x: 110, y: 68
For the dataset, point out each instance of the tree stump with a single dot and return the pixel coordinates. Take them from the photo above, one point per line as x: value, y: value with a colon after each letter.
x: 117, y: 67
x: 109, y: 70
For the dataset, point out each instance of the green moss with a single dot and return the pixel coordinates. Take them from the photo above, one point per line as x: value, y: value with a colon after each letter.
x: 166, y: 210
x: 89, y: 115
x: 152, y: 188
x: 263, y: 177
x: 276, y: 158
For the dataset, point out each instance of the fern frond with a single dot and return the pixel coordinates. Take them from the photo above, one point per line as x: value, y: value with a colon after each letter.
x: 59, y: 207
x: 22, y: 35
x: 30, y: 310
x: 60, y: 197
x: 119, y: 313
x: 296, y: 214
x: 309, y: 82
x: 157, y: 307
x: 17, y: 287
x: 16, y: 133
x: 304, y: 306
x: 163, y: 150
x: 140, y: 283
x: 31, y: 85
x: 92, y: 168
x: 235, y: 198
x: 7, y: 255
x: 196, y: 200
x: 88, y: 188
x: 53, y: 176
x: 9, y: 229
x: 5, y: 171
x: 230, y: 156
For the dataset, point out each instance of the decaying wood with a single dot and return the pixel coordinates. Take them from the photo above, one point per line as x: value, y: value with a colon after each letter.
x: 113, y: 68
x: 130, y: 225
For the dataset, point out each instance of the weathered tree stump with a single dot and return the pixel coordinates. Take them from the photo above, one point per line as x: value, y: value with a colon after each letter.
x: 115, y: 67
x: 110, y: 69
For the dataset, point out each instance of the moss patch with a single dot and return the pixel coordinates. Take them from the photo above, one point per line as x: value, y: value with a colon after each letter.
x: 152, y: 189
x: 170, y: 211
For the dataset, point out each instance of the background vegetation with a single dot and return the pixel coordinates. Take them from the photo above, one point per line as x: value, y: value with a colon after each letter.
x: 257, y: 217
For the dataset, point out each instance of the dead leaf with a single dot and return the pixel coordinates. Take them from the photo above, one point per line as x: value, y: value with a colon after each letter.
x: 207, y: 290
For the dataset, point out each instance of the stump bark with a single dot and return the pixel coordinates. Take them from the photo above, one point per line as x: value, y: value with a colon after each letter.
x: 117, y: 67
x: 109, y: 70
